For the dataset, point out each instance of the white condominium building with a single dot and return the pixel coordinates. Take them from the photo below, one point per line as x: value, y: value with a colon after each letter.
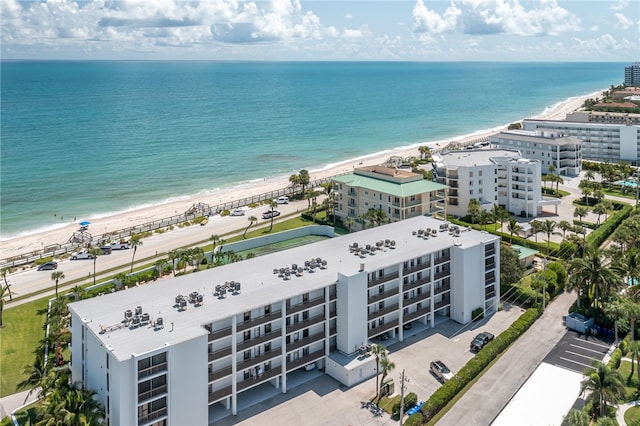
x: 161, y: 354
x: 601, y: 141
x: 399, y: 193
x: 491, y: 176
x: 551, y: 148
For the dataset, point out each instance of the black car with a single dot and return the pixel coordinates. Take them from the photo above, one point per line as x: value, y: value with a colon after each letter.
x: 48, y: 266
x: 480, y: 341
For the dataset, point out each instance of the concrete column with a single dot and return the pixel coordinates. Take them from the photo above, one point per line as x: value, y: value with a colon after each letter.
x: 283, y: 322
x: 234, y: 365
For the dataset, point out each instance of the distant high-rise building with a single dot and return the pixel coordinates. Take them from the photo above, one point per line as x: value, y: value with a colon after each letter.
x: 632, y: 74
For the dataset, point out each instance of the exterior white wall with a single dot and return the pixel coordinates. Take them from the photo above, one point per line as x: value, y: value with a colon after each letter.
x: 187, y: 401
x: 629, y: 142
x: 352, y: 312
x: 122, y: 395
x: 351, y: 376
x: 467, y: 279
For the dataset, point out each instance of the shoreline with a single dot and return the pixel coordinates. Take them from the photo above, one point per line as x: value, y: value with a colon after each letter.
x: 109, y: 222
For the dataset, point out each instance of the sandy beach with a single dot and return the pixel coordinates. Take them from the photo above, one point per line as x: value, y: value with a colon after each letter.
x: 34, y: 242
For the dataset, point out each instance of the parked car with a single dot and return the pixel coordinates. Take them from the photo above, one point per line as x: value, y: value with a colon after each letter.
x: 236, y: 212
x: 48, y: 266
x: 82, y: 254
x: 282, y: 200
x: 407, y: 326
x: 120, y: 245
x: 270, y: 213
x: 480, y: 341
x: 441, y: 371
x: 106, y: 249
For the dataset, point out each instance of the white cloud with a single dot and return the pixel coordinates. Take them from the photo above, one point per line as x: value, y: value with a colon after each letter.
x: 594, y: 28
x: 623, y: 21
x: 428, y: 21
x: 348, y: 16
x: 619, y: 5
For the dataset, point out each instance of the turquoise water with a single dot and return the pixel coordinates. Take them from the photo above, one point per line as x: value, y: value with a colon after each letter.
x: 87, y: 139
x: 629, y: 183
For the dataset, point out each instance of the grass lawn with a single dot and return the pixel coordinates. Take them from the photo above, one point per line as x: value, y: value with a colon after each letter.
x: 632, y: 416
x: 18, y: 338
x: 631, y: 381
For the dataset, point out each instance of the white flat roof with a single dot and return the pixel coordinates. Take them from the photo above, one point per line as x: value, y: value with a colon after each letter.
x: 476, y: 157
x: 259, y: 285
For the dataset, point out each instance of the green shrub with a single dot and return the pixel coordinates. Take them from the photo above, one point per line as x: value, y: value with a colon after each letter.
x: 477, y: 314
x: 414, y: 419
x: 616, y: 357
x: 600, y: 235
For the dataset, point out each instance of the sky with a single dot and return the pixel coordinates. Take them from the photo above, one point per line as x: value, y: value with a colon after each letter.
x: 321, y: 30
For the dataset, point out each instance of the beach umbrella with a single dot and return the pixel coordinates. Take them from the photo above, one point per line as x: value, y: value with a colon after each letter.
x: 85, y: 223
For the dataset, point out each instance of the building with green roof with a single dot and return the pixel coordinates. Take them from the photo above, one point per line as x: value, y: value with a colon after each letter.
x: 398, y: 193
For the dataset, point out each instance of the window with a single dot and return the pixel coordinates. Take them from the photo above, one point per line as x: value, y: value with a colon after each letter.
x: 247, y: 316
x: 296, y: 318
x: 305, y: 297
x: 107, y: 360
x: 267, y: 309
x: 247, y: 374
x: 247, y: 355
x: 267, y: 328
x: 305, y: 333
x: 247, y: 335
x: 381, y: 289
x: 267, y: 347
x: 480, y: 173
x: 471, y: 174
x: 381, y: 321
x: 305, y: 316
x: 381, y: 304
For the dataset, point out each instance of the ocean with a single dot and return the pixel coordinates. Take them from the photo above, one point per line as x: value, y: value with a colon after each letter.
x: 90, y: 139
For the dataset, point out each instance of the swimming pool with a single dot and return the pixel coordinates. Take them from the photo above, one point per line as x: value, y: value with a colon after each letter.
x: 629, y: 183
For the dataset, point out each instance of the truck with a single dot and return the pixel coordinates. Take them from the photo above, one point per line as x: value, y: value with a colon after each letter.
x: 480, y: 341
x: 82, y: 254
x: 120, y: 245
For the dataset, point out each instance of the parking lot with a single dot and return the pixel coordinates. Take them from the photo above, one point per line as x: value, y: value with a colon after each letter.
x: 575, y: 352
x: 323, y: 401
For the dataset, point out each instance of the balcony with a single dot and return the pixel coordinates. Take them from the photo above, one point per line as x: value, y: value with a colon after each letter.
x: 441, y: 259
x: 267, y: 375
x: 417, y: 298
x: 383, y: 295
x: 304, y: 324
x: 152, y: 370
x: 218, y: 334
x: 417, y: 314
x: 304, y: 342
x: 490, y: 265
x: 382, y: 328
x: 152, y: 393
x: 489, y: 295
x: 333, y: 313
x: 273, y: 353
x: 292, y: 309
x: 219, y: 394
x: 219, y: 374
x: 442, y: 274
x: 152, y: 416
x: 441, y: 304
x: 383, y: 311
x: 333, y: 295
x: 333, y: 331
x: 416, y: 268
x: 260, y: 339
x: 442, y: 288
x: 308, y: 359
x: 384, y: 279
x: 220, y: 353
x: 259, y: 321
x: 416, y: 283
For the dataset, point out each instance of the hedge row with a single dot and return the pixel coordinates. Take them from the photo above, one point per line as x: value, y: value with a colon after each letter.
x: 600, y: 235
x: 445, y: 393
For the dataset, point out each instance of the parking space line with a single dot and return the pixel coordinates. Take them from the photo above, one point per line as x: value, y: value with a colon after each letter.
x: 580, y: 355
x: 587, y: 349
x: 602, y: 345
x: 575, y: 362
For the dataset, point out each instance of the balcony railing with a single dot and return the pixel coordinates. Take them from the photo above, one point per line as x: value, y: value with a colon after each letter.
x: 489, y: 295
x: 490, y: 252
x: 384, y: 279
x: 441, y: 259
x: 275, y: 371
x: 333, y: 295
x: 304, y: 342
x: 259, y: 321
x: 273, y: 353
x: 416, y: 283
x: 442, y: 274
x: 417, y: 298
x: 442, y: 288
x: 382, y: 328
x: 441, y: 304
x: 152, y: 416
x: 416, y: 268
x: 417, y: 314
x: 152, y: 370
x: 383, y: 295
x: 333, y: 313
x: 260, y: 339
x: 490, y: 265
x: 383, y: 311
x: 333, y: 330
x: 219, y: 394
x: 219, y: 374
x: 292, y: 309
x: 314, y: 356
x: 218, y: 334
x: 306, y: 323
x: 151, y: 393
x: 220, y: 353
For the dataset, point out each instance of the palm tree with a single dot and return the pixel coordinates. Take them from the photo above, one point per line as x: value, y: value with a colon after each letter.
x: 120, y: 279
x: 272, y: 206
x: 632, y: 313
x: 304, y: 179
x: 386, y: 365
x: 94, y: 253
x: 549, y: 227
x: 380, y: 352
x: 473, y: 209
x: 483, y: 218
x: 580, y: 212
x: 578, y: 418
x: 159, y: 267
x: 175, y: 255
x: 564, y: 225
x: 252, y: 220
x: 57, y: 276
x: 4, y: 272
x: 214, y: 239
x: 595, y: 274
x: 536, y: 228
x: 295, y: 181
x: 634, y: 350
x: 513, y: 228
x: 136, y: 240
x: 599, y: 209
x: 616, y: 310
x: 500, y: 214
x: 604, y: 384
x: 349, y: 222
x: 589, y: 176
x: 78, y: 292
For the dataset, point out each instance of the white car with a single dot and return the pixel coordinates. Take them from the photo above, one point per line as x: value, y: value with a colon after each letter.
x: 281, y: 200
x: 120, y: 245
x: 83, y: 254
x: 236, y: 212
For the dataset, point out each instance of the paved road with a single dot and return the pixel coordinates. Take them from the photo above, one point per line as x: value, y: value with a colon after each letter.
x: 489, y: 395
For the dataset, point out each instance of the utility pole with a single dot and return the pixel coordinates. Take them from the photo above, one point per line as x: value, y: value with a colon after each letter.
x: 403, y: 381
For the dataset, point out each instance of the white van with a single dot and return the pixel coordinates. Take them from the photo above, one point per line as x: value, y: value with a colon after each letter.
x: 282, y: 200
